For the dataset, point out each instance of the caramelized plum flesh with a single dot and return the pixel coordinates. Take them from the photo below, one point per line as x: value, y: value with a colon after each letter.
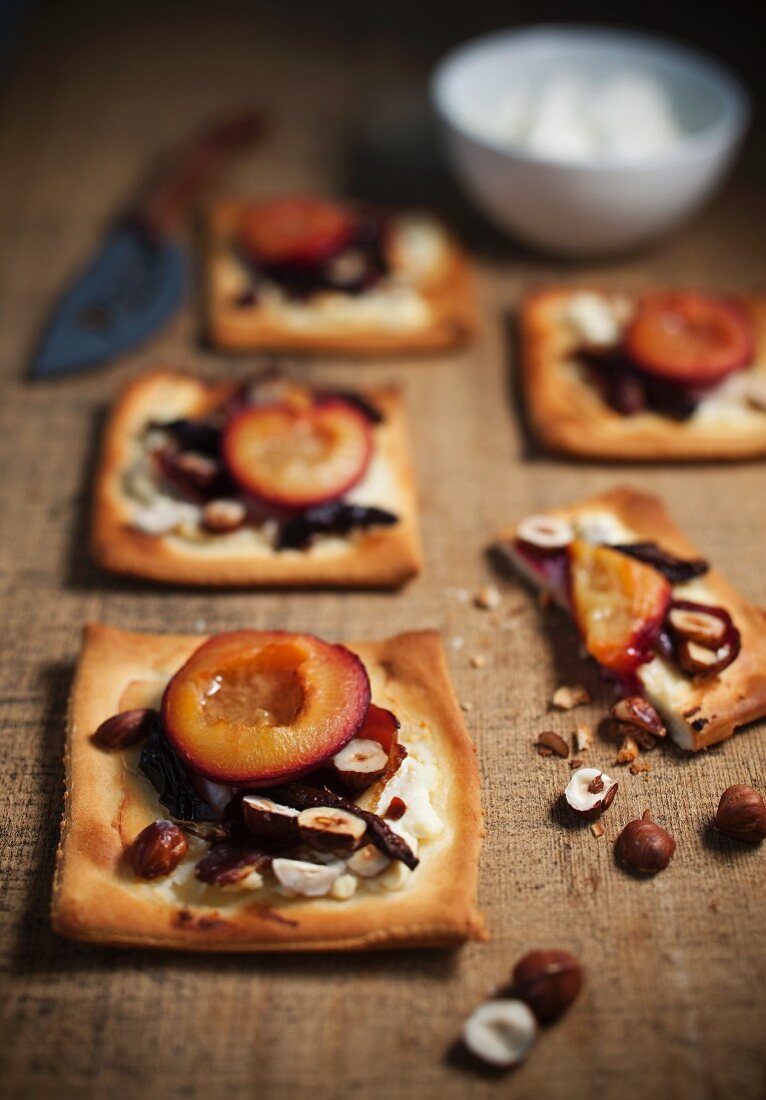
x: 253, y: 708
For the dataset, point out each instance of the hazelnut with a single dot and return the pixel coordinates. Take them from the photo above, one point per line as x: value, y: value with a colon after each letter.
x: 396, y: 810
x: 158, y: 849
x: 636, y: 711
x: 220, y: 517
x: 628, y: 751
x: 697, y: 660
x: 567, y: 698
x: 269, y: 819
x: 590, y: 792
x: 583, y: 736
x: 500, y: 1032
x: 360, y: 763
x: 550, y: 740
x: 698, y: 626
x: 327, y: 829
x: 368, y: 862
x: 548, y: 981
x: 311, y: 880
x: 645, y: 846
x: 742, y: 814
x: 545, y: 532
x: 125, y: 729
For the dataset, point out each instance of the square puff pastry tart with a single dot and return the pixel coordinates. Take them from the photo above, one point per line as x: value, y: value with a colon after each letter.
x: 426, y: 303
x: 97, y: 898
x: 697, y: 712
x: 125, y: 491
x: 569, y: 414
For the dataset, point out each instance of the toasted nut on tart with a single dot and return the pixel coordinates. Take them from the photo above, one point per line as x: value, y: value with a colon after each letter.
x: 368, y: 862
x: 331, y: 830
x: 645, y: 846
x: 500, y: 1032
x: 699, y: 626
x: 548, y: 981
x: 360, y: 763
x: 567, y: 698
x: 125, y: 729
x: 220, y: 517
x: 698, y: 660
x: 742, y: 814
x: 545, y: 532
x: 311, y: 880
x: 634, y: 710
x: 590, y: 792
x: 158, y: 849
x: 269, y: 819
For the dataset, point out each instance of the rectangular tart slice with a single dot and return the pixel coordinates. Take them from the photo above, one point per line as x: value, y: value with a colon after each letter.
x: 309, y: 487
x: 602, y: 377
x: 153, y: 852
x: 383, y: 284
x: 657, y: 619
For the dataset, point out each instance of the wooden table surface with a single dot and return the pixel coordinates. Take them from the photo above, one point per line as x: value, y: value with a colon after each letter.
x: 675, y: 1002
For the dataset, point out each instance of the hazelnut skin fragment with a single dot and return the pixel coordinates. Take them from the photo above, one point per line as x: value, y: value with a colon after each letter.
x: 548, y: 981
x: 742, y: 814
x: 158, y: 849
x: 645, y: 846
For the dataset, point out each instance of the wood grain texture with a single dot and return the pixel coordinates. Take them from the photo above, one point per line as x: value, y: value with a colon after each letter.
x: 675, y: 1000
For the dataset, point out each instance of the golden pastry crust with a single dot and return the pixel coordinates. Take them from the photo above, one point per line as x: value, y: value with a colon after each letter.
x: 96, y: 898
x: 381, y: 557
x: 703, y: 712
x: 450, y: 297
x: 568, y: 414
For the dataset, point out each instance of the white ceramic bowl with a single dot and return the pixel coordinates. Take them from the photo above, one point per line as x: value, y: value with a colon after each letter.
x: 599, y: 205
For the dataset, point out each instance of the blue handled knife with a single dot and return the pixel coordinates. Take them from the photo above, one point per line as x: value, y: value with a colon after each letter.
x: 137, y: 280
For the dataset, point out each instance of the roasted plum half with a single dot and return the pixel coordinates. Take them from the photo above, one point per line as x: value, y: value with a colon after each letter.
x: 691, y: 339
x: 297, y: 458
x: 300, y: 231
x: 254, y: 708
x: 619, y: 604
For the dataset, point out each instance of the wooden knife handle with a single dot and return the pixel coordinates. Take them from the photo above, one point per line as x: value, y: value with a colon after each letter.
x: 171, y: 194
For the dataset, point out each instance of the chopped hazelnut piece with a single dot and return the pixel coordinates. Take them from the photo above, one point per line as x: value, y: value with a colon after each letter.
x: 628, y: 751
x: 567, y: 698
x: 597, y: 829
x: 488, y: 597
x: 552, y: 741
x: 576, y: 763
x: 583, y: 736
x: 638, y: 767
x: 478, y: 660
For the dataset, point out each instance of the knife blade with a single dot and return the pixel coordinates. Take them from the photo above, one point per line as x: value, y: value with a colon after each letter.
x: 138, y: 278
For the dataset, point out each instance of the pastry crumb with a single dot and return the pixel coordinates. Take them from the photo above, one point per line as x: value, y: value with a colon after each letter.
x: 597, y: 829
x: 478, y: 660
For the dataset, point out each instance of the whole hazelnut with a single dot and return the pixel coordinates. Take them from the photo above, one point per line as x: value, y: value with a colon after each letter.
x: 158, y: 849
x: 645, y: 846
x: 742, y: 814
x: 548, y: 981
